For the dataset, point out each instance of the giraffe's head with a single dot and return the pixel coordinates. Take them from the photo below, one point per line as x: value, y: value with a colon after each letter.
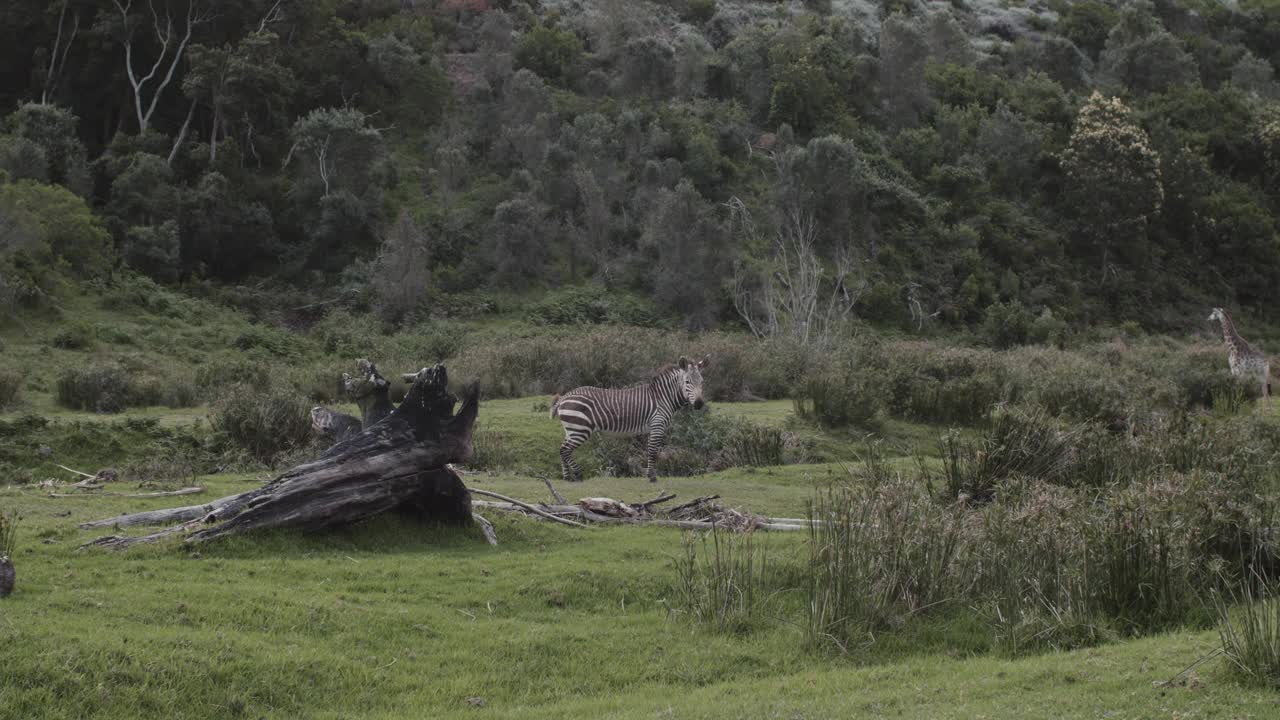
x: 691, y: 380
x: 1217, y: 314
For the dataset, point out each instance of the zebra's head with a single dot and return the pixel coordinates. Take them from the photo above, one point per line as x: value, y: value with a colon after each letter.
x: 691, y: 380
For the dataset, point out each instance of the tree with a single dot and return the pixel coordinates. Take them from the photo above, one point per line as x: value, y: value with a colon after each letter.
x: 401, y: 273
x: 163, y: 33
x: 1086, y: 24
x: 648, y: 67
x: 225, y: 234
x: 518, y: 243
x: 903, y: 54
x: 687, y: 250
x: 242, y: 85
x: 52, y: 131
x: 53, y: 217
x: 1142, y: 56
x: 1113, y: 180
x: 793, y: 294
x: 548, y: 51
x: 339, y: 147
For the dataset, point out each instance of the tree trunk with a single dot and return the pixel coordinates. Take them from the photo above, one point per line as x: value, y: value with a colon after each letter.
x: 399, y: 463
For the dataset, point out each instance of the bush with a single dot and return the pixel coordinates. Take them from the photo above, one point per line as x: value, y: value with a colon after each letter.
x: 1017, y: 445
x: 1007, y: 325
x: 592, y: 305
x: 78, y: 336
x: 263, y: 422
x: 105, y: 388
x: 212, y: 377
x: 843, y: 394
x: 10, y: 388
x: 548, y: 51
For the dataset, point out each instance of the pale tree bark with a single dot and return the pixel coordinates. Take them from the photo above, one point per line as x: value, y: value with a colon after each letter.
x: 798, y: 297
x: 165, y: 35
x: 58, y: 56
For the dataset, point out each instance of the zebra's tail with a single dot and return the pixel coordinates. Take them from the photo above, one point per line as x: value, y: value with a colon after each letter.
x: 555, y: 400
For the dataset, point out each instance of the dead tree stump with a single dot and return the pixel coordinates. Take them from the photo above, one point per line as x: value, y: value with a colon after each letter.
x: 399, y: 463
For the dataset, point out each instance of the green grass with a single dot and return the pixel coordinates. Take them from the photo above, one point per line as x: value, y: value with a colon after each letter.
x: 394, y: 620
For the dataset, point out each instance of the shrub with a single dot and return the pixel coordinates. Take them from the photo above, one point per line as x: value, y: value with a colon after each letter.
x: 276, y: 343
x: 592, y: 305
x: 1016, y: 445
x: 548, y: 51
x: 214, y: 376
x: 10, y: 388
x: 843, y: 394
x: 264, y: 422
x: 1007, y: 325
x: 78, y: 336
x: 105, y: 388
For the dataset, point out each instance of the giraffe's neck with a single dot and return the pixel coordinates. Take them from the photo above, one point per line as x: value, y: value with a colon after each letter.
x: 1234, y: 342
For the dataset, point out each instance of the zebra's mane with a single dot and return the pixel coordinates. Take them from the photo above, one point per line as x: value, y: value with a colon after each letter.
x: 661, y: 373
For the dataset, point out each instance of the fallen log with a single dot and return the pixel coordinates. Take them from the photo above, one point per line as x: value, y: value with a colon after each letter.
x: 609, y: 511
x: 399, y: 463
x: 166, y: 493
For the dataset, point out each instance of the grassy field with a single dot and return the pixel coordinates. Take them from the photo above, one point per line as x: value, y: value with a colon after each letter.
x: 396, y: 620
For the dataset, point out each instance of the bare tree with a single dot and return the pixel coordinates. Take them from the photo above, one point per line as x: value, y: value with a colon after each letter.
x: 795, y: 296
x: 165, y: 35
x: 58, y: 56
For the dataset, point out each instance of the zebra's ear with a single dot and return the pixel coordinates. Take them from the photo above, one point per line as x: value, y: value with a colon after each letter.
x: 704, y: 361
x: 684, y: 363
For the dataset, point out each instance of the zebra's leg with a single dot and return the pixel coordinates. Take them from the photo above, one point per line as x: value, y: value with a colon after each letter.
x: 571, y: 470
x: 657, y: 438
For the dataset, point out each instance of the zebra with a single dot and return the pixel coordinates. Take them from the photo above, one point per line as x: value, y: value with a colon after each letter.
x: 644, y: 407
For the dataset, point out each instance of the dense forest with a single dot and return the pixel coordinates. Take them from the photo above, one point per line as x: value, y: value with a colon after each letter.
x: 720, y: 163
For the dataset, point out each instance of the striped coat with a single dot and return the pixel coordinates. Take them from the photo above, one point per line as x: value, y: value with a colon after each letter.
x: 645, y: 408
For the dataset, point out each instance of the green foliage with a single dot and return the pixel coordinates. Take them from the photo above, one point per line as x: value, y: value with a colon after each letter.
x: 105, y: 388
x: 10, y: 388
x: 725, y: 581
x: 1007, y: 325
x: 264, y: 422
x: 1250, y: 631
x: 75, y: 336
x: 549, y: 51
x: 8, y: 535
x: 1087, y: 24
x: 50, y: 219
x: 843, y: 395
x: 592, y: 305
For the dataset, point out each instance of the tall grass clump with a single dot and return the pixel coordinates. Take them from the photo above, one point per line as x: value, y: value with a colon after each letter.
x: 726, y: 581
x: 8, y: 546
x: 10, y: 388
x: 880, y: 552
x: 263, y: 422
x: 1017, y: 444
x: 1249, y: 628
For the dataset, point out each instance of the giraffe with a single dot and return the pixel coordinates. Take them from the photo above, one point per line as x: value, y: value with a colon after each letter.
x: 1243, y: 359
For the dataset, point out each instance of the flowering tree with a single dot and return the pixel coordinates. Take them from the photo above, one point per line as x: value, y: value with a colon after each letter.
x: 1113, y: 180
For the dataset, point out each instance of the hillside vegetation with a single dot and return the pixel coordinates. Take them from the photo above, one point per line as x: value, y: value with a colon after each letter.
x: 930, y: 165
x: 951, y: 264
